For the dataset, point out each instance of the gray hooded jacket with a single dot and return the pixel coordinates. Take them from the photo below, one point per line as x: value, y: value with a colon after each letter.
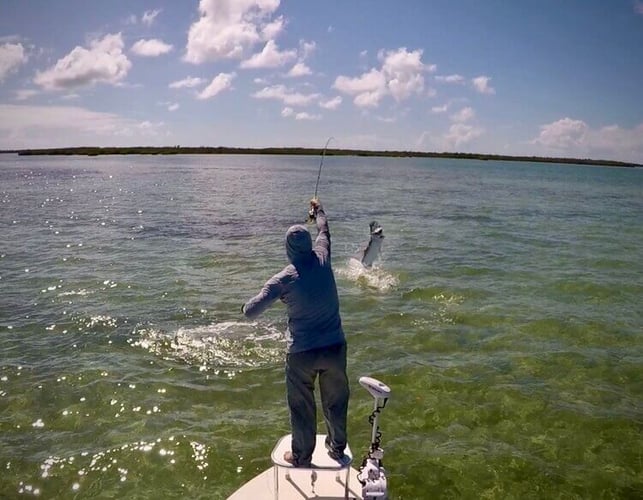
x: 307, y: 287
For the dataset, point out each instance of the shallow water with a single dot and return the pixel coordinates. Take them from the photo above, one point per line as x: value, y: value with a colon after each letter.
x: 504, y: 314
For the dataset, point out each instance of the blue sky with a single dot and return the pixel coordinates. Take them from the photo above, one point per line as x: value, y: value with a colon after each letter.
x: 546, y: 77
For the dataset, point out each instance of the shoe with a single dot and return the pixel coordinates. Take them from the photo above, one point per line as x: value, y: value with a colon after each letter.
x: 336, y: 455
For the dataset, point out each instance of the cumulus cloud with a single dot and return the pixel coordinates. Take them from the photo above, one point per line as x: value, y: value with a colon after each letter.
x: 464, y: 115
x: 481, y: 84
x: 149, y: 16
x: 331, y: 103
x: 228, y: 29
x: 461, y: 133
x: 306, y: 49
x: 401, y: 75
x: 299, y: 69
x: 403, y: 71
x: 151, y: 48
x: 269, y: 57
x: 367, y: 89
x: 271, y: 30
x: 187, y: 83
x: 171, y: 106
x: 450, y: 79
x: 52, y: 126
x: 12, y: 56
x: 288, y: 96
x: 103, y: 62
x: 288, y: 112
x: 571, y: 137
x: 221, y: 82
x: 562, y: 134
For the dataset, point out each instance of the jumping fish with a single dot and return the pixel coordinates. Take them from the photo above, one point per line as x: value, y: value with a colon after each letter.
x: 368, y: 254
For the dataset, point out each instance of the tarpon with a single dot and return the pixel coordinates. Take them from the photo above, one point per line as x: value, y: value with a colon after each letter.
x: 369, y: 253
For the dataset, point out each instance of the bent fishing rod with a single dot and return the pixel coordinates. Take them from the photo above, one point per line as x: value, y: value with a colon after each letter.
x: 311, y: 212
x: 321, y: 163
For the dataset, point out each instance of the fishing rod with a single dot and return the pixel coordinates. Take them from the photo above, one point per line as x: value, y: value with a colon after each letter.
x: 311, y: 212
x: 321, y: 163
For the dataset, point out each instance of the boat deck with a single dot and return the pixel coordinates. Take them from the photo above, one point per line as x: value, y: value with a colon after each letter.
x: 325, y: 480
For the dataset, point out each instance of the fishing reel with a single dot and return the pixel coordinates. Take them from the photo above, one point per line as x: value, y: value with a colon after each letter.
x: 372, y: 475
x: 311, y: 216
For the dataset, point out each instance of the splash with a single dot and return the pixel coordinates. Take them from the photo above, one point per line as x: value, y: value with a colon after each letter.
x: 228, y: 345
x: 373, y: 277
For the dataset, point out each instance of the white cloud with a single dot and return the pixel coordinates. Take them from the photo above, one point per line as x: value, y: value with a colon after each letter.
x: 306, y: 49
x: 151, y: 48
x: 189, y: 82
x: 58, y: 126
x: 228, y: 29
x: 460, y: 134
x: 368, y: 89
x: 450, y: 79
x: 269, y: 57
x: 287, y: 96
x: 464, y: 115
x: 307, y: 116
x: 481, y: 84
x: 171, y: 106
x: 272, y: 30
x: 12, y: 56
x: 221, y: 82
x: 299, y: 69
x: 149, y: 16
x: 288, y: 112
x: 574, y: 138
x: 331, y: 103
x: 440, y: 109
x: 403, y: 71
x: 400, y: 76
x: 562, y: 134
x: 103, y: 62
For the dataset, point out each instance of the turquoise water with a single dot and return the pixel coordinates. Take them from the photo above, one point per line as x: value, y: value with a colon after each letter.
x: 505, y: 315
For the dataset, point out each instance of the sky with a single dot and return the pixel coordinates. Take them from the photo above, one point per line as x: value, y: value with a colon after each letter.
x: 559, y: 78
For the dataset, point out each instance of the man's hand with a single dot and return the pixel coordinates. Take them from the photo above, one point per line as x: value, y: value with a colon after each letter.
x: 314, y: 206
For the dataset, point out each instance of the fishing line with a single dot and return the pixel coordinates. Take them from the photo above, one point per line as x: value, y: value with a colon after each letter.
x: 311, y: 212
x: 321, y: 163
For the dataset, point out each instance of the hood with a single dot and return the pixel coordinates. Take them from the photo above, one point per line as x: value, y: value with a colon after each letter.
x: 299, y: 244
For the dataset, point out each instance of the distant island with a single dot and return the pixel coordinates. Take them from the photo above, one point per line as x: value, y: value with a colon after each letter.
x: 173, y: 150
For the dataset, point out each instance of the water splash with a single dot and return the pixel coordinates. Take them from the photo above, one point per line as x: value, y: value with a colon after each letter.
x: 373, y: 277
x: 226, y: 345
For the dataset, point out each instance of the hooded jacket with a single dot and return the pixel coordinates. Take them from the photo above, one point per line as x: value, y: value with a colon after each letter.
x: 307, y: 287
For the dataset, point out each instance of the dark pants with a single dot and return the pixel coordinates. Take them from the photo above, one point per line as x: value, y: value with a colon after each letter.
x: 302, y: 368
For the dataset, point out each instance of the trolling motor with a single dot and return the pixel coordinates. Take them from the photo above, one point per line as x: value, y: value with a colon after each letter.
x: 372, y: 474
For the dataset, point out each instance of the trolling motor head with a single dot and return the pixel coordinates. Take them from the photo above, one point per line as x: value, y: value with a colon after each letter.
x: 375, y: 387
x: 372, y: 474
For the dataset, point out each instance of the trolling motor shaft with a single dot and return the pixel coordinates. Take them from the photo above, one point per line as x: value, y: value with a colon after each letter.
x: 372, y: 475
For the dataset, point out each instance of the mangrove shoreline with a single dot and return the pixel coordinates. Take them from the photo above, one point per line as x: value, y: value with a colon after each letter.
x: 174, y: 150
